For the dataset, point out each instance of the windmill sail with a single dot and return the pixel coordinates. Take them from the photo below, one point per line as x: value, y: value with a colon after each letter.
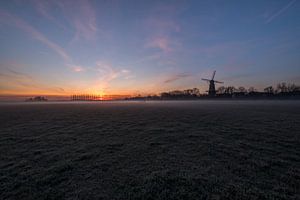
x: 213, y: 76
x: 212, y: 89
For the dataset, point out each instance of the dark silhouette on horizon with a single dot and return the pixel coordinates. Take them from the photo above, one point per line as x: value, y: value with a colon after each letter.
x: 86, y: 97
x: 212, y: 89
x: 37, y: 98
x: 282, y: 91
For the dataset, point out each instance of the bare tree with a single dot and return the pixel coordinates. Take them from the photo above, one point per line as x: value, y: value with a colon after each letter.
x: 291, y: 87
x: 251, y: 89
x: 230, y: 90
x: 281, y: 87
x: 242, y: 89
x: 269, y: 90
x: 221, y: 90
x: 192, y: 92
x: 196, y: 91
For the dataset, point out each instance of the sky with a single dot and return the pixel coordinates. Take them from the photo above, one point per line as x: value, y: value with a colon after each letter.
x: 130, y: 47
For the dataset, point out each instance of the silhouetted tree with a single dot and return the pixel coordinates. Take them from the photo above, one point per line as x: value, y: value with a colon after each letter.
x: 269, y: 90
x: 251, y: 89
x: 230, y: 90
x: 281, y: 87
x: 292, y: 87
x: 196, y: 91
x: 283, y: 90
x: 188, y: 93
x: 221, y: 90
x: 242, y: 89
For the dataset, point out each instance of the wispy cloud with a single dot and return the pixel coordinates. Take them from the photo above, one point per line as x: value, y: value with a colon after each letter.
x: 108, y: 73
x: 13, y: 81
x: 17, y: 75
x: 164, y: 43
x: 176, y: 77
x: 163, y: 24
x: 24, y: 26
x: 44, y: 7
x: 279, y: 12
x: 79, y: 13
x: 9, y: 18
x: 76, y: 68
x: 82, y: 16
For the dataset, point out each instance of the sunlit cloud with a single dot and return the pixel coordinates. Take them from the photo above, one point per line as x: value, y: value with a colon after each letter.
x: 107, y: 73
x: 280, y: 12
x: 24, y: 26
x: 162, y: 43
x: 162, y: 26
x: 148, y: 45
x: 125, y: 71
x: 77, y: 68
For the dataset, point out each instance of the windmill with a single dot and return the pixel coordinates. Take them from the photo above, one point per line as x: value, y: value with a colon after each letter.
x: 212, y: 89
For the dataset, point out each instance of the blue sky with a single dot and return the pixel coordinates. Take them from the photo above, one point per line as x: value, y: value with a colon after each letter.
x: 146, y: 47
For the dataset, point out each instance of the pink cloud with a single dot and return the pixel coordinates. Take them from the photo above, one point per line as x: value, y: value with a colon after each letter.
x: 162, y: 25
x: 162, y: 43
x: 77, y: 68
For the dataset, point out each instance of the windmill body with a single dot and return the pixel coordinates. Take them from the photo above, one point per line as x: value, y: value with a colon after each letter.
x: 212, y: 88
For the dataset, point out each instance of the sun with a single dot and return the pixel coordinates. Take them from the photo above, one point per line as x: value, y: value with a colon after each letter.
x: 100, y: 95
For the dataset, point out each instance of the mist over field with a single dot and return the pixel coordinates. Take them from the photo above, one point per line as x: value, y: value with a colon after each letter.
x: 150, y: 150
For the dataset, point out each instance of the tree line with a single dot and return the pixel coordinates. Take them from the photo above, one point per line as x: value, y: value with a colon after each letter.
x: 281, y: 90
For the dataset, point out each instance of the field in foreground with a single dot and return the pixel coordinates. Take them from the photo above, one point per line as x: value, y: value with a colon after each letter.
x: 150, y: 150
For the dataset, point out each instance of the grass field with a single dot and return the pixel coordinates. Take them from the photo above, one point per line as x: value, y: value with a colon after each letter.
x: 150, y: 150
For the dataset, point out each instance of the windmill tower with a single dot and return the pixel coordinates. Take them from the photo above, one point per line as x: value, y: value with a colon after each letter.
x: 212, y: 88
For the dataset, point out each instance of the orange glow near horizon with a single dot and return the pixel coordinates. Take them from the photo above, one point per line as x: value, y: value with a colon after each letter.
x: 77, y: 47
x: 101, y: 96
